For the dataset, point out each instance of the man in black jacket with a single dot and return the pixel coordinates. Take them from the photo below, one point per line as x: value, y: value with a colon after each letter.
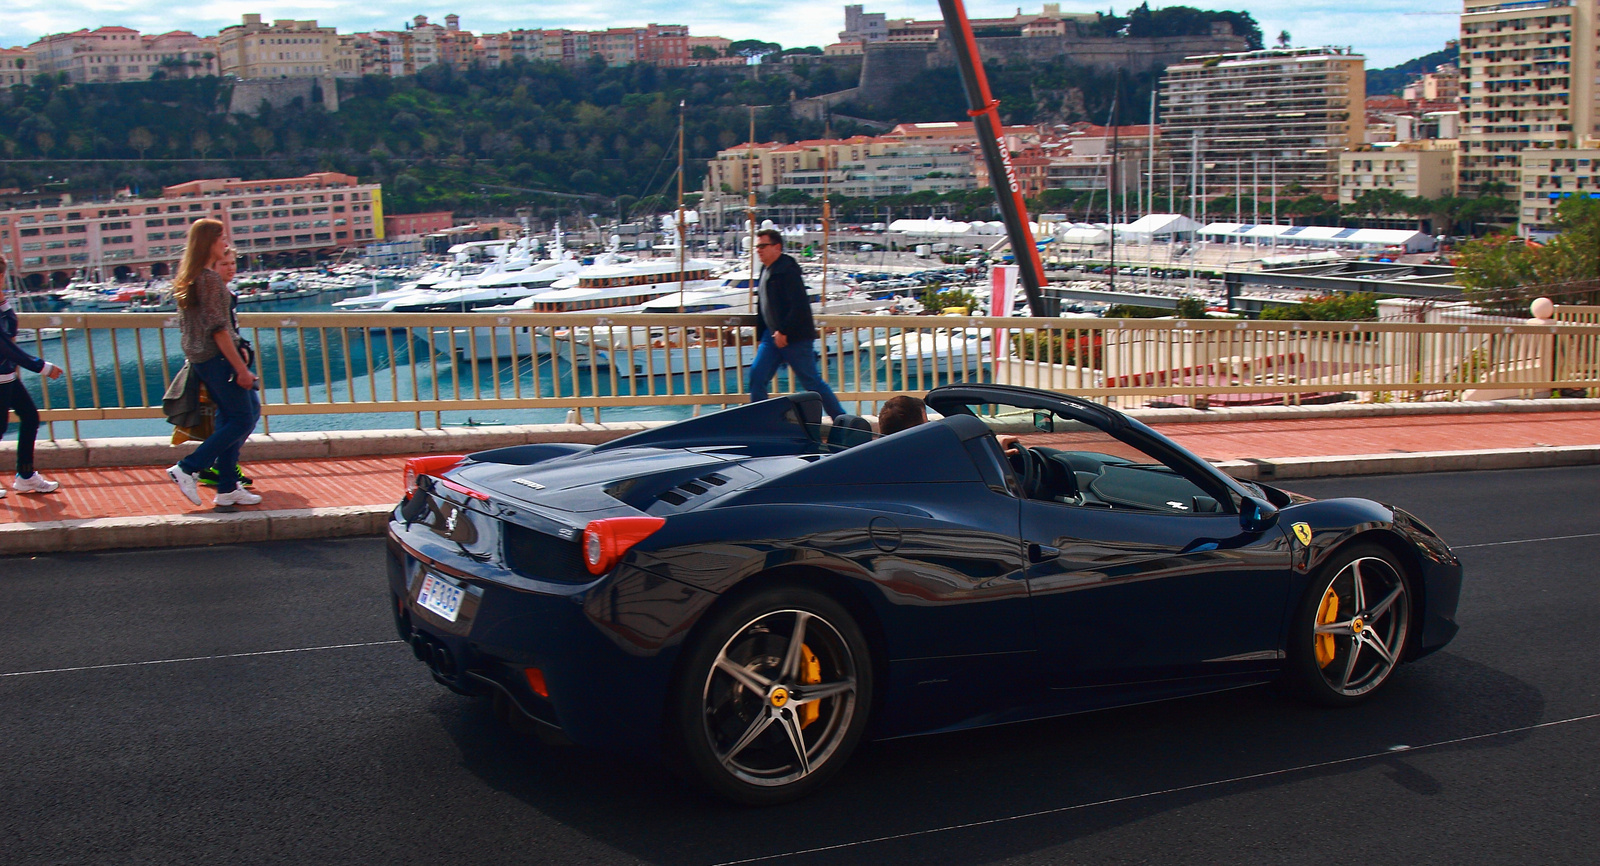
x: 784, y: 325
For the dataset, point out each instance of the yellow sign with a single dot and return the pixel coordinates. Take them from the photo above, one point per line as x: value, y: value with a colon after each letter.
x: 377, y: 214
x: 1302, y: 531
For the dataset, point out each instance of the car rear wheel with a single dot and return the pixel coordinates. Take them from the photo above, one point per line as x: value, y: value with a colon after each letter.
x: 773, y: 697
x: 1351, y: 629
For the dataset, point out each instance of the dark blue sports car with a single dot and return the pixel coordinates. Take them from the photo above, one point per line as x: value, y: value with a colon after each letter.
x: 749, y: 593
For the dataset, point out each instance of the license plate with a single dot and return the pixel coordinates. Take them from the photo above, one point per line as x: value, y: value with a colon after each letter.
x: 441, y: 596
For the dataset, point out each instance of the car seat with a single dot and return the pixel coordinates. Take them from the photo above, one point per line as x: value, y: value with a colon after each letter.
x: 849, y: 431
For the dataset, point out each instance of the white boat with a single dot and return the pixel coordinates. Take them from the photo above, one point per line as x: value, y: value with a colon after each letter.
x: 611, y: 285
x: 946, y: 351
x: 36, y: 335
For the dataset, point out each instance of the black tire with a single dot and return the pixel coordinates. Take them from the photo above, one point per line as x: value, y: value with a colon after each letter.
x: 732, y: 727
x: 1360, y: 645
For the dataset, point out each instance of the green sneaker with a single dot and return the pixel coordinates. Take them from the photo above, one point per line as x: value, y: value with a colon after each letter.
x: 209, y: 477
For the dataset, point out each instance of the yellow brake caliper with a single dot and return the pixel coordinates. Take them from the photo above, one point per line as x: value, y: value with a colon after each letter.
x: 810, y: 674
x: 1327, y: 613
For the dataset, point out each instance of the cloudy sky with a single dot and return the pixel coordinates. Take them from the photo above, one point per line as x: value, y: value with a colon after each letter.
x: 1386, y: 32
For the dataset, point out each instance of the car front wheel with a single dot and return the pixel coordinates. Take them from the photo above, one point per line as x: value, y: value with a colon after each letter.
x: 773, y: 696
x: 1351, y: 629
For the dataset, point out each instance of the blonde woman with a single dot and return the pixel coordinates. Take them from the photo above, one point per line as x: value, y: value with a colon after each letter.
x: 217, y: 354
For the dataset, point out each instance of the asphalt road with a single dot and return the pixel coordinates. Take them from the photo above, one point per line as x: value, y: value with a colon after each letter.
x: 250, y: 704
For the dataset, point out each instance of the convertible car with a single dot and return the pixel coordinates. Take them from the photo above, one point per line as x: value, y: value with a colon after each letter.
x: 750, y: 593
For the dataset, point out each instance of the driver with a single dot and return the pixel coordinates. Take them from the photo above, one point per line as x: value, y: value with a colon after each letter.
x: 901, y: 413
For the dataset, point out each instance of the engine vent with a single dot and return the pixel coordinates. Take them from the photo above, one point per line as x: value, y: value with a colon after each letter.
x: 692, y: 488
x: 538, y: 556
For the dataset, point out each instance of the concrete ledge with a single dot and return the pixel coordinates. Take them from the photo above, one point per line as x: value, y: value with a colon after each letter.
x: 158, y: 450
x: 186, y: 530
x: 1282, y: 468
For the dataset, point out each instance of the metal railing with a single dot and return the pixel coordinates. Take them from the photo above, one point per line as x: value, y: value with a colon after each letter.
x: 118, y: 364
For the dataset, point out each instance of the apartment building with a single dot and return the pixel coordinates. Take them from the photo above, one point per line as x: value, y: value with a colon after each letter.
x: 113, y: 54
x: 1423, y: 169
x: 862, y: 166
x: 16, y: 66
x: 1527, y: 85
x: 286, y: 49
x: 1549, y: 176
x: 127, y: 237
x: 1290, y: 110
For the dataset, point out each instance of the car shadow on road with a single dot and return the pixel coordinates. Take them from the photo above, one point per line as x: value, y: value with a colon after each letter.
x: 1184, y: 748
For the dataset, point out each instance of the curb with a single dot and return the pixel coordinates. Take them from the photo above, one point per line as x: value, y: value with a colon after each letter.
x: 188, y: 530
x: 158, y: 451
x: 243, y: 527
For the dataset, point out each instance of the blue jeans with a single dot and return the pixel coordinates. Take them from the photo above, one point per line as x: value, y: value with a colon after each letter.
x: 237, y: 413
x: 801, y: 357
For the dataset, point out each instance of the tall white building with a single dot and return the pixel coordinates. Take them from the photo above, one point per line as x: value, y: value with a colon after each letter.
x: 1528, y: 83
x: 1292, y: 110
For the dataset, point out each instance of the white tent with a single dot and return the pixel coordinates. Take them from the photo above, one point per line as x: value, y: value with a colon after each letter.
x: 1321, y: 237
x: 1082, y: 236
x: 1158, y: 228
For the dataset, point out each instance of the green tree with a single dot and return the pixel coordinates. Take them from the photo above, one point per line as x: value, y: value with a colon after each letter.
x: 141, y: 139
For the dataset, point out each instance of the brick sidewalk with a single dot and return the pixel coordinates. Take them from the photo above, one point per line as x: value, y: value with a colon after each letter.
x: 145, y: 491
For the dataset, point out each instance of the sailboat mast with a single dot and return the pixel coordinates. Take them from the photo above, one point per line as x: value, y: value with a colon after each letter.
x: 683, y: 242
x: 750, y: 213
x: 827, y: 169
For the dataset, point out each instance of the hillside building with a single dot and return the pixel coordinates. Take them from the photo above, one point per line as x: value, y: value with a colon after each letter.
x: 277, y: 220
x: 111, y: 54
x: 286, y: 49
x: 1292, y: 111
x: 16, y: 66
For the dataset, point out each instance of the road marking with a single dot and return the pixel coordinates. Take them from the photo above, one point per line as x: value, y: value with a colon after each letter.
x: 1145, y: 796
x: 1525, y: 541
x: 304, y: 649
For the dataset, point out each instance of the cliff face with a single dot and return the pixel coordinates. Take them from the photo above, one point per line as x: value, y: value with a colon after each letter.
x: 887, y: 66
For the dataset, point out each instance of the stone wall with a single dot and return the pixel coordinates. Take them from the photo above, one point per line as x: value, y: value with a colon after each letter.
x: 248, y: 94
x: 886, y: 66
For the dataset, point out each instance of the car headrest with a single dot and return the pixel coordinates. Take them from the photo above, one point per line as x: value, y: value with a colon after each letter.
x: 849, y: 431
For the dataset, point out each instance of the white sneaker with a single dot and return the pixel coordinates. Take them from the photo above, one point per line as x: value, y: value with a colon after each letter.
x: 2, y: 493
x: 187, y: 483
x: 34, y: 483
x: 237, y: 496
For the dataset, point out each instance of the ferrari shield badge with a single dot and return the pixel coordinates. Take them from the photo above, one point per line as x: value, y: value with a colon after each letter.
x: 1302, y: 531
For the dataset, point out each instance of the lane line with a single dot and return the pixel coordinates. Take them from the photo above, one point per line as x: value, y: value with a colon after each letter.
x: 1525, y: 541
x: 304, y: 649
x: 1150, y: 794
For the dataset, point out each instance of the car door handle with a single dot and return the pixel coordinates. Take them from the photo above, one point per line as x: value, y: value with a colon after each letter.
x: 1042, y: 552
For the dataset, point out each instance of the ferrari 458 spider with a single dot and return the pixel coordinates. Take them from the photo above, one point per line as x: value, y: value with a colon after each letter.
x: 750, y: 593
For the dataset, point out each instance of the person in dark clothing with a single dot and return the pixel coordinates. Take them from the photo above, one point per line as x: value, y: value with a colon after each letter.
x: 14, y: 396
x: 784, y: 326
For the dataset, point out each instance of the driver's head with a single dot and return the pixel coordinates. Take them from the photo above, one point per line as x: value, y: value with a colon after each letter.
x: 901, y: 413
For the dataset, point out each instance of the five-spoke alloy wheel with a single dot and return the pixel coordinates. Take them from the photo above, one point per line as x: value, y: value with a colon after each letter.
x: 1351, y: 631
x: 773, y: 696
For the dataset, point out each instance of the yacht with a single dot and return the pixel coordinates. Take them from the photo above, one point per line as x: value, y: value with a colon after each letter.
x: 611, y: 284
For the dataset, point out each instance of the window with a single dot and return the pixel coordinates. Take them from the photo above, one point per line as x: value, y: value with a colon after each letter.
x: 176, y: 221
x: 29, y: 233
x: 154, y: 222
x: 54, y: 230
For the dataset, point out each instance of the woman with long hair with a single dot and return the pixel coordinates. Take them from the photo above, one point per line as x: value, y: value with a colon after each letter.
x: 219, y: 356
x: 14, y: 396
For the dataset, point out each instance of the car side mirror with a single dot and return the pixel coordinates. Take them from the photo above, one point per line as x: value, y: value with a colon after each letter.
x: 1044, y: 420
x: 1257, y: 515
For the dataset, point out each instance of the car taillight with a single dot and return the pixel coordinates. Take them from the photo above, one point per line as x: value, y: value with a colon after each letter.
x: 605, y: 541
x: 435, y: 465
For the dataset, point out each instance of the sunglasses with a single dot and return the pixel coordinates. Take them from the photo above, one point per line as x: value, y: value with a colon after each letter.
x: 759, y: 246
